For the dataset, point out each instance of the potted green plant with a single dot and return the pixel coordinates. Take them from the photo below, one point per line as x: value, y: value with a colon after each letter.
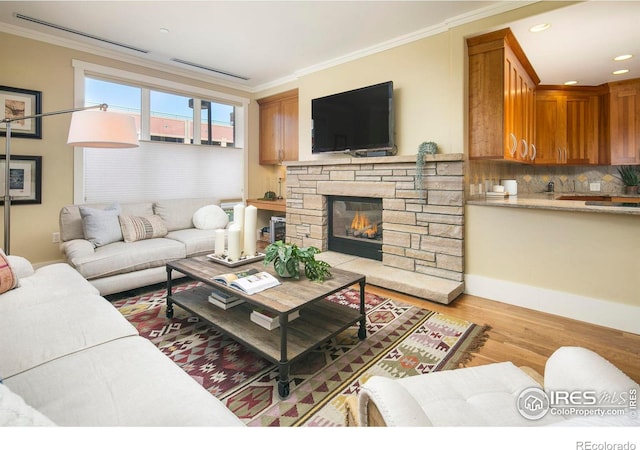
x: 630, y: 176
x: 287, y: 259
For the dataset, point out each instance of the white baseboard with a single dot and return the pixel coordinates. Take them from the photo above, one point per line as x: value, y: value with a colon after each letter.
x: 586, y: 309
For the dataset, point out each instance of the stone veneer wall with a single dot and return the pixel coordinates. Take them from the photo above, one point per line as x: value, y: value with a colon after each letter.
x: 422, y: 230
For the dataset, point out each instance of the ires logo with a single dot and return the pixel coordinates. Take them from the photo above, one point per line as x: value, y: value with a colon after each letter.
x: 534, y: 403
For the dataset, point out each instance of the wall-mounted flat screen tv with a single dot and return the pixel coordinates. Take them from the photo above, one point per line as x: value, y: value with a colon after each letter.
x: 361, y: 119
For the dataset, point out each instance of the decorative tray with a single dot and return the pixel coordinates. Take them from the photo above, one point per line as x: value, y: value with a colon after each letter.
x: 224, y: 259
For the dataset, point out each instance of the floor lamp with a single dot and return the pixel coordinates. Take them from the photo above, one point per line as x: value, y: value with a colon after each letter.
x: 97, y: 129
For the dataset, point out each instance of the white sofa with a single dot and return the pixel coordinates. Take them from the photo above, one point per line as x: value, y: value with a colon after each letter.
x: 69, y: 358
x: 494, y: 395
x: 119, y: 266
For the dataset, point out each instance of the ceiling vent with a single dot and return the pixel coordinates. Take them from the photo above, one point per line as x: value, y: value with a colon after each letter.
x: 79, y: 33
x: 210, y: 69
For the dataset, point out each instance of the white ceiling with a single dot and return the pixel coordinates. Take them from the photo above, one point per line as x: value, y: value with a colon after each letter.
x: 271, y: 42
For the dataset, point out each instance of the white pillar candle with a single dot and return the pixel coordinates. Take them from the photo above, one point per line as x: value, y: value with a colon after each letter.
x: 238, y: 220
x: 234, y: 243
x: 219, y: 243
x: 250, y: 224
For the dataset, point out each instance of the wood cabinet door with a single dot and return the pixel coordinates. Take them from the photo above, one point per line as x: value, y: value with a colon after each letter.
x: 488, y: 105
x: 289, y: 129
x: 624, y: 124
x: 581, y: 126
x: 270, y: 133
x: 549, y: 137
x: 512, y: 107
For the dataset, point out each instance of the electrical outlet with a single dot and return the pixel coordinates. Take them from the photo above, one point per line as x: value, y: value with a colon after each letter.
x: 55, y: 237
x: 594, y: 187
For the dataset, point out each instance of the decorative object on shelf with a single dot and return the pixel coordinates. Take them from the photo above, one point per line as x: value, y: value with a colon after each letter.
x: 287, y: 258
x: 25, y: 180
x: 630, y: 177
x: 426, y: 148
x: 95, y: 129
x: 269, y: 195
x: 226, y: 261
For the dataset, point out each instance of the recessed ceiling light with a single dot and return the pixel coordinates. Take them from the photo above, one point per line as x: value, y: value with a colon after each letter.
x: 620, y: 72
x: 164, y: 30
x: 622, y: 57
x: 540, y: 27
x: 570, y: 83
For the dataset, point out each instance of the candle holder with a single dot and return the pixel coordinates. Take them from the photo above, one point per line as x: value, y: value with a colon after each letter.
x: 225, y: 261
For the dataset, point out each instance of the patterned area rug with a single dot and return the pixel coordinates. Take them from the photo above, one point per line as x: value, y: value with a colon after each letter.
x: 402, y: 340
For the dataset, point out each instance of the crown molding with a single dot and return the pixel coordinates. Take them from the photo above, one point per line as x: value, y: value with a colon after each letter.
x: 122, y: 56
x: 119, y: 56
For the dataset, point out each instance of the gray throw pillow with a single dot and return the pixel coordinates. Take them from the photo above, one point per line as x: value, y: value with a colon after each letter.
x: 101, y: 226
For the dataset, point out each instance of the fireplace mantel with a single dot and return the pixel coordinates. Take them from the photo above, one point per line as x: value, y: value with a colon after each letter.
x: 423, y: 228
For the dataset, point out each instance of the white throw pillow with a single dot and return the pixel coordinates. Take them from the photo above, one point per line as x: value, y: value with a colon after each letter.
x: 101, y: 226
x: 210, y: 217
x: 21, y: 266
x: 14, y: 412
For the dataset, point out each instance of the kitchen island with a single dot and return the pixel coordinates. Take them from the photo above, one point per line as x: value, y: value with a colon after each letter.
x: 571, y: 202
x: 565, y: 257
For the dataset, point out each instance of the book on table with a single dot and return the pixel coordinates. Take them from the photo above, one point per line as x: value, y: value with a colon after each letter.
x: 249, y: 281
x: 268, y: 319
x: 223, y: 296
x: 225, y: 304
x: 223, y: 299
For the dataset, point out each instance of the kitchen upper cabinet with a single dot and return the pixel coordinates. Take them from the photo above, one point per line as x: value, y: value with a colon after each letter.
x: 566, y: 126
x: 501, y: 99
x: 621, y: 124
x: 279, y: 128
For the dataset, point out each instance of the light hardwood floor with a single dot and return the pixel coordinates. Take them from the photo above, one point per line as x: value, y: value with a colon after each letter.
x: 527, y: 337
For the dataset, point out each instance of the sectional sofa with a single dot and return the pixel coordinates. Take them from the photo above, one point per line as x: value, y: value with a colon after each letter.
x: 118, y: 247
x: 69, y: 358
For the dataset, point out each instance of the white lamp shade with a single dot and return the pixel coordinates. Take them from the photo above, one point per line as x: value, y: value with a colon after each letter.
x: 102, y: 129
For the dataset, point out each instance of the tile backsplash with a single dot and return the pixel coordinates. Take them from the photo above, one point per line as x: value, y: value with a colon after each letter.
x: 534, y: 179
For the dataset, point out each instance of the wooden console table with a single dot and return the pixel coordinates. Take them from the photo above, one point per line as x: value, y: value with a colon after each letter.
x: 269, y: 205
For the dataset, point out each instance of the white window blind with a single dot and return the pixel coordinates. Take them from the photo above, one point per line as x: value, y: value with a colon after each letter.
x: 157, y: 171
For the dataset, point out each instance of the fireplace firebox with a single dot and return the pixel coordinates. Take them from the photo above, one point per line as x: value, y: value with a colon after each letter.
x: 355, y: 226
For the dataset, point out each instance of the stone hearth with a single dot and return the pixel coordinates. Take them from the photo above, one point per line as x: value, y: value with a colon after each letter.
x: 422, y: 228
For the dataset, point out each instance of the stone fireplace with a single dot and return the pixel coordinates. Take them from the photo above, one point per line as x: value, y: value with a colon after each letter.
x: 420, y: 233
x: 355, y: 226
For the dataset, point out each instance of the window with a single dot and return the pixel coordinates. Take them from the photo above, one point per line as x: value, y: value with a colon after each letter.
x: 120, y: 97
x: 163, y: 166
x: 171, y: 116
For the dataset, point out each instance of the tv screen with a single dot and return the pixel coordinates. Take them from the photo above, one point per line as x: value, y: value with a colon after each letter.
x: 361, y: 119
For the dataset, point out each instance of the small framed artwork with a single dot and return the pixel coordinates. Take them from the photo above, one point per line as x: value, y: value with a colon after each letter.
x: 25, y: 179
x: 18, y: 103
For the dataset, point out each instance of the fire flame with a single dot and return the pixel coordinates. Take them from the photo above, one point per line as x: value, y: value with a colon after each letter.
x: 361, y: 226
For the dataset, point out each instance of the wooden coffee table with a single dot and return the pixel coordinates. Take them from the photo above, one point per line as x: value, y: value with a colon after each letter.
x: 319, y: 319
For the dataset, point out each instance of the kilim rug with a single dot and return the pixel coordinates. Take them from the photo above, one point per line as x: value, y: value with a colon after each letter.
x: 402, y: 340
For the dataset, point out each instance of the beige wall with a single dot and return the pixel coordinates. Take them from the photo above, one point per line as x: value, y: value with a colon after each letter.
x: 35, y: 65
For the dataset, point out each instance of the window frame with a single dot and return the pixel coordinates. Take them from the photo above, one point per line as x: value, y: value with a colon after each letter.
x: 148, y: 83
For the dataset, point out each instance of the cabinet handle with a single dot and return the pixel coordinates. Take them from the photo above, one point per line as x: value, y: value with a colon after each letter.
x: 534, y: 152
x: 559, y: 155
x: 525, y: 146
x: 514, y: 145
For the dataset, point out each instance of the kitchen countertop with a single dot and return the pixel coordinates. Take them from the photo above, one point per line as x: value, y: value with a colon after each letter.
x: 550, y: 201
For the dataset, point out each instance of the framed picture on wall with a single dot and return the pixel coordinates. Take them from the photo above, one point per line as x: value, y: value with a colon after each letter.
x: 21, y: 102
x: 25, y: 179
